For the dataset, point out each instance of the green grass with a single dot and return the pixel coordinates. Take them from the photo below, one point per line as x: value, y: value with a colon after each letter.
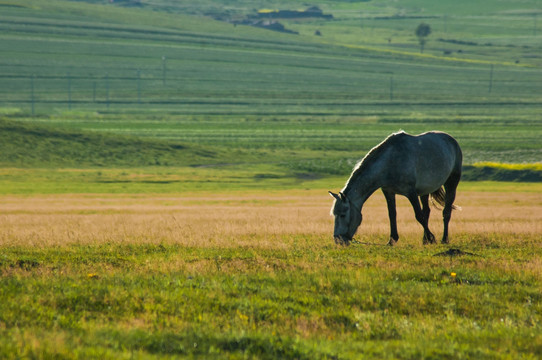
x: 134, y: 154
x: 230, y: 179
x: 303, y: 302
x: 502, y: 172
x: 35, y: 146
x: 503, y: 137
x: 156, y: 180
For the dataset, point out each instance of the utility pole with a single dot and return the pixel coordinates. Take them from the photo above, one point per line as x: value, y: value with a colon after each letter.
x: 164, y: 70
x: 32, y: 93
x: 138, y: 86
x: 69, y: 91
x: 490, y: 79
x: 107, y: 89
x: 391, y: 88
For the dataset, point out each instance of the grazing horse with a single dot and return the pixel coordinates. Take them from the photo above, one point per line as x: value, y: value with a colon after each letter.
x: 418, y: 166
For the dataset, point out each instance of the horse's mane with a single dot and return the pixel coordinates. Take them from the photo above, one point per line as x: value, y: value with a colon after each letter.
x: 374, y: 154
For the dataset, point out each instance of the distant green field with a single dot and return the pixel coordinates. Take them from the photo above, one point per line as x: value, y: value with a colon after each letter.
x: 71, y: 55
x: 483, y: 137
x: 488, y: 30
x: 304, y: 103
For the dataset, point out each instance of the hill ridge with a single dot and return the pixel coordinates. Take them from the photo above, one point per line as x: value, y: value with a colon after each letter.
x: 31, y: 145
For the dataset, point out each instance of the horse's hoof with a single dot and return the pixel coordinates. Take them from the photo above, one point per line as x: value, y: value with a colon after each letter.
x: 342, y: 242
x: 429, y: 239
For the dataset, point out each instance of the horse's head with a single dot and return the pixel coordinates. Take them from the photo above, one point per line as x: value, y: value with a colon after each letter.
x: 347, y: 219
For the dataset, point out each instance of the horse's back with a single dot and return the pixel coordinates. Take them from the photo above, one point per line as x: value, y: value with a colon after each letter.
x: 430, y: 146
x: 425, y: 161
x: 439, y: 146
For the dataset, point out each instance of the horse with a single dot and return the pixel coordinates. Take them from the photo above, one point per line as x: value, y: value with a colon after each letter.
x: 418, y: 167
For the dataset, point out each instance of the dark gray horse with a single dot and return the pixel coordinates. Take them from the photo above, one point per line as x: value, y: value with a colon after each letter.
x: 414, y: 166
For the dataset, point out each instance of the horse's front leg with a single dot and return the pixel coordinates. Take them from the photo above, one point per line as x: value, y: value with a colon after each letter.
x: 428, y: 236
x: 392, y: 212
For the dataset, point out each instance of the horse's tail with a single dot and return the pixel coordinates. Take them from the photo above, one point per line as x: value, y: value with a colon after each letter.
x: 438, y: 199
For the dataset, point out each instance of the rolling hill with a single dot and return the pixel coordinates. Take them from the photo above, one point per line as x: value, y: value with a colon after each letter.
x: 63, y: 55
x: 31, y: 145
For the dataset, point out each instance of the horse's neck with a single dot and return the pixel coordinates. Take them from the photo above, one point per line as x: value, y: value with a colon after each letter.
x: 362, y: 184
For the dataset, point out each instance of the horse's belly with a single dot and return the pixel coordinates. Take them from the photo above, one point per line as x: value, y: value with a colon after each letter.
x: 425, y: 190
x: 426, y: 186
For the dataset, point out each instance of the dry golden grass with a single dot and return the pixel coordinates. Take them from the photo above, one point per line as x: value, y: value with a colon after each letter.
x: 192, y: 268
x: 245, y: 219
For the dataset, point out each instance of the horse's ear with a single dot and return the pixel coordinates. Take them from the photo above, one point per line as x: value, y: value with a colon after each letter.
x: 343, y: 196
x: 337, y: 197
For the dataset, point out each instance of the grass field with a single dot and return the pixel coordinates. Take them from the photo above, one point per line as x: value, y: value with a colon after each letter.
x: 164, y: 178
x: 256, y: 275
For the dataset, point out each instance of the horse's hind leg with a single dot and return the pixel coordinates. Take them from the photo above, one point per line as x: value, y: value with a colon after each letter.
x: 428, y: 237
x: 450, y: 186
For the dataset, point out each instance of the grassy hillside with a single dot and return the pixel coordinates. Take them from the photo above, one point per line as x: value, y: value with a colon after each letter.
x: 272, y: 155
x: 24, y: 145
x: 62, y: 55
x: 483, y: 30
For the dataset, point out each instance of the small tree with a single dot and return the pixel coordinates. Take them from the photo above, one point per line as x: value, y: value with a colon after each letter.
x: 422, y: 32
